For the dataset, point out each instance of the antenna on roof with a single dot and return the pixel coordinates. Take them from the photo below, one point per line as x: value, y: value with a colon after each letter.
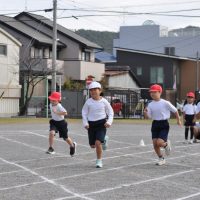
x: 26, y: 5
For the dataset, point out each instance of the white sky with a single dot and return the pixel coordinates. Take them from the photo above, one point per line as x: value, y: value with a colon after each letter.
x: 110, y: 23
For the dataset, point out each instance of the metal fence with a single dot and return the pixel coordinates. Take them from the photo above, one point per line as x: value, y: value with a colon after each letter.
x: 126, y: 103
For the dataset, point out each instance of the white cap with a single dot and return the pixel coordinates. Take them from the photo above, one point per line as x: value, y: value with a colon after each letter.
x: 94, y: 84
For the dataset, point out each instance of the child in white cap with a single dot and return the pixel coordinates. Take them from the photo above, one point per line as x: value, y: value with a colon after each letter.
x: 97, y: 115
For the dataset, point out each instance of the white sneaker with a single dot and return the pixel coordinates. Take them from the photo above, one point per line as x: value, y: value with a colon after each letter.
x: 168, y: 148
x: 186, y: 142
x: 195, y: 141
x: 99, y: 163
x: 161, y: 161
x: 191, y: 141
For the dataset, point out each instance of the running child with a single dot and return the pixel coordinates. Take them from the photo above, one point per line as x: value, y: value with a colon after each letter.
x: 159, y: 111
x: 189, y: 116
x: 58, y: 124
x: 97, y: 115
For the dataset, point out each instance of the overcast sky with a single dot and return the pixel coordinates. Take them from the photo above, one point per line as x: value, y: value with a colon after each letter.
x: 135, y: 12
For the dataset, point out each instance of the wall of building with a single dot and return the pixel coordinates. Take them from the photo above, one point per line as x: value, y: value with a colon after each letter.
x: 10, y: 90
x: 188, y: 75
x: 135, y: 60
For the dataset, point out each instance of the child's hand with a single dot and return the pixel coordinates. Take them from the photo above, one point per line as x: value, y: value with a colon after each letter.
x: 87, y: 127
x: 107, y: 125
x: 179, y: 122
x: 145, y: 110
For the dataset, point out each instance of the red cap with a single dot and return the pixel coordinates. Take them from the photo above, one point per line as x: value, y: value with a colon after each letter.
x: 190, y: 94
x: 55, y: 96
x: 155, y: 88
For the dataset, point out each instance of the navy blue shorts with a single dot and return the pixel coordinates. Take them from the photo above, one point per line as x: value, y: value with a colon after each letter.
x: 160, y: 129
x: 59, y: 126
x: 189, y: 120
x: 96, y: 131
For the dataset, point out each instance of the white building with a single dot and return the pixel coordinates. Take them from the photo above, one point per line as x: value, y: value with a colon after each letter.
x: 10, y: 90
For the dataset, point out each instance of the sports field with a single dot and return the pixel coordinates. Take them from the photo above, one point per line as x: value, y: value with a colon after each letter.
x: 129, y: 171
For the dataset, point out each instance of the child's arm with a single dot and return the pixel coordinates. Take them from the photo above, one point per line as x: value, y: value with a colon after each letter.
x: 146, y: 113
x: 64, y: 112
x: 110, y: 114
x: 178, y: 118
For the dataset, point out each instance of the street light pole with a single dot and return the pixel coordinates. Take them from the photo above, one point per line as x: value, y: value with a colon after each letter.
x: 54, y: 48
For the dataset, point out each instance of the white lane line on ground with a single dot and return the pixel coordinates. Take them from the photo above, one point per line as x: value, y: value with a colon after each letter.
x: 46, y: 179
x: 37, y: 134
x: 188, y: 197
x: 111, y: 157
x: 22, y: 185
x: 132, y: 184
x: 44, y: 136
x: 11, y: 172
x: 139, y: 182
x: 22, y: 143
x: 96, y: 171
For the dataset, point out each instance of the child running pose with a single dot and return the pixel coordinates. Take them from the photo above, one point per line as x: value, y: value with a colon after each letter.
x: 189, y: 116
x: 159, y: 110
x: 58, y: 124
x: 95, y: 112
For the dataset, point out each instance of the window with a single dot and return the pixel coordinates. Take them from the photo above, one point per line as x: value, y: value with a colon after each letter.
x: 169, y: 51
x: 139, y: 71
x: 3, y: 49
x: 156, y: 75
x: 86, y: 55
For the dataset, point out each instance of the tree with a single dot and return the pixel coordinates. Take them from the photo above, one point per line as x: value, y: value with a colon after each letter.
x: 32, y: 72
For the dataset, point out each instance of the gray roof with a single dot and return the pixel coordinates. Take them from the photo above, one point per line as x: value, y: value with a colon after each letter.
x: 155, y: 54
x: 26, y: 30
x: 105, y: 57
x: 149, y: 39
x: 63, y: 30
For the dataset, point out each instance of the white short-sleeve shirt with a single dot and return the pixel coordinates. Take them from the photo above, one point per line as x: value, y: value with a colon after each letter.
x: 160, y: 110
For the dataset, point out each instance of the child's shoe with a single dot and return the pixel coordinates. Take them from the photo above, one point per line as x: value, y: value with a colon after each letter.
x: 73, y: 149
x: 99, y: 163
x: 50, y: 151
x: 161, y: 161
x: 191, y: 141
x: 186, y: 141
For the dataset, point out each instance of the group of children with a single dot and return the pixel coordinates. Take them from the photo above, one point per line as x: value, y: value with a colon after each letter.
x: 97, y: 116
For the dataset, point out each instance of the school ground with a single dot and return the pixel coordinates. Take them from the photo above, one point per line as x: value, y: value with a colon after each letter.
x: 129, y: 171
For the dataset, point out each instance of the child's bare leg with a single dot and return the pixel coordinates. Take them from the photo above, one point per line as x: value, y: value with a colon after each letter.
x: 98, y: 149
x: 157, y: 143
x: 69, y: 141
x: 51, y: 138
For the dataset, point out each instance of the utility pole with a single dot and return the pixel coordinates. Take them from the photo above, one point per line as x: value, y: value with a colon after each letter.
x: 197, y: 71
x: 54, y: 48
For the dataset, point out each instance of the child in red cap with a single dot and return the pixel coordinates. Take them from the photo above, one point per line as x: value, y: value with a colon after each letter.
x: 58, y: 123
x: 159, y: 110
x: 189, y: 116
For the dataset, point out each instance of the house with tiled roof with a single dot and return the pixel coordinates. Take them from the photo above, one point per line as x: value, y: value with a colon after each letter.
x: 75, y: 54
